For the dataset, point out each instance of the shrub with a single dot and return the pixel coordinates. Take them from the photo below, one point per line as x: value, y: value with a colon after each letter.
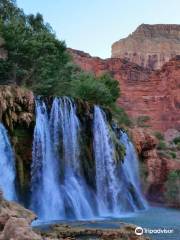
x: 172, y: 185
x: 173, y: 154
x: 176, y: 140
x: 159, y: 135
x: 178, y: 146
x: 161, y: 145
x: 120, y: 115
x: 142, y: 120
x: 94, y: 90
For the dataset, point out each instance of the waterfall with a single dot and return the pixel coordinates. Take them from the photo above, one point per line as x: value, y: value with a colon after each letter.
x: 130, y: 172
x: 65, y: 129
x: 117, y: 185
x: 58, y: 186
x: 46, y: 195
x: 58, y: 189
x: 106, y: 172
x: 7, y: 166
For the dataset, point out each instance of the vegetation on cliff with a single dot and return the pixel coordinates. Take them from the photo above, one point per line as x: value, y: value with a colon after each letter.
x: 172, y: 193
x: 38, y: 60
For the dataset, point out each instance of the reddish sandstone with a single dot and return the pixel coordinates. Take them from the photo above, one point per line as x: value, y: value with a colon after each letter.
x: 143, y: 92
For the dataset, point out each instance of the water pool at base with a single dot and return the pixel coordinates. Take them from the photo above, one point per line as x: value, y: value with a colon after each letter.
x: 152, y: 218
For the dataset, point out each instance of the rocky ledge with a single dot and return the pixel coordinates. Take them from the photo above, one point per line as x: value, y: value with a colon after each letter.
x: 62, y: 231
x: 16, y: 106
x: 15, y: 222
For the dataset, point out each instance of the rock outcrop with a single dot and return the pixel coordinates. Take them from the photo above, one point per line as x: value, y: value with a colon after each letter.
x: 143, y: 92
x: 15, y: 222
x: 16, y: 106
x: 69, y: 232
x: 150, y: 45
x: 156, y: 168
x: 17, y: 114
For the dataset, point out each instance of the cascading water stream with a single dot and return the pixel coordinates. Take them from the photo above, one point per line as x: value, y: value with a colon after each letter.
x: 65, y: 128
x: 46, y: 195
x: 118, y: 185
x: 7, y: 166
x: 59, y: 188
x: 130, y: 172
x: 106, y: 172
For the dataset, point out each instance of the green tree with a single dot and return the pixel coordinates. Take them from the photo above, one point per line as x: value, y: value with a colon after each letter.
x: 94, y: 90
x: 35, y: 56
x: 111, y: 84
x: 38, y: 60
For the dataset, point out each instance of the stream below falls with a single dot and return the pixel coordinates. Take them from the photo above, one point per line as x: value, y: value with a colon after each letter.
x: 152, y: 218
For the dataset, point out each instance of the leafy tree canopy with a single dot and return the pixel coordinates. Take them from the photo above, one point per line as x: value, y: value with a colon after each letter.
x: 38, y: 60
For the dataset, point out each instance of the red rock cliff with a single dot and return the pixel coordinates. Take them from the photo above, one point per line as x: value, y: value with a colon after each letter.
x: 143, y: 92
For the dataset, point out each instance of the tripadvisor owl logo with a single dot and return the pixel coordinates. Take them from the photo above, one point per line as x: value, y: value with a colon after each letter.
x: 139, y: 231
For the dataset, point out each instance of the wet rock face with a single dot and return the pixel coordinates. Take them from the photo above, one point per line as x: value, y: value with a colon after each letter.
x: 143, y: 92
x: 150, y: 45
x: 16, y: 106
x: 17, y: 114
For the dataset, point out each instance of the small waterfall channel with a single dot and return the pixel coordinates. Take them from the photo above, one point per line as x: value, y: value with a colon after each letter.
x: 7, y: 166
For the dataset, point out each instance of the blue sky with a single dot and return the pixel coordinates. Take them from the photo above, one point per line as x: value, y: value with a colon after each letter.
x: 93, y: 25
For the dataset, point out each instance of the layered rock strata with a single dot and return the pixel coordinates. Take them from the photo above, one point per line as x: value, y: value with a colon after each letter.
x: 143, y: 92
x: 149, y: 45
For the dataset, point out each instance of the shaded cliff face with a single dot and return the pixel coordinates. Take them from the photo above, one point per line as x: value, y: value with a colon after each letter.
x: 17, y: 114
x: 150, y: 45
x: 143, y: 92
x: 16, y: 106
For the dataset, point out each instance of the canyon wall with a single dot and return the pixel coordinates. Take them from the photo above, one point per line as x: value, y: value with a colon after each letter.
x: 144, y: 92
x: 149, y: 45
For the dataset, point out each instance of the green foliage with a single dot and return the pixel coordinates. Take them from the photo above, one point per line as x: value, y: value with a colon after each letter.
x: 159, y: 136
x: 35, y: 56
x: 173, y: 154
x: 111, y: 84
x: 176, y: 140
x: 103, y: 90
x: 120, y: 115
x: 178, y: 146
x: 142, y: 121
x: 162, y: 145
x: 173, y: 187
x: 39, y: 61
